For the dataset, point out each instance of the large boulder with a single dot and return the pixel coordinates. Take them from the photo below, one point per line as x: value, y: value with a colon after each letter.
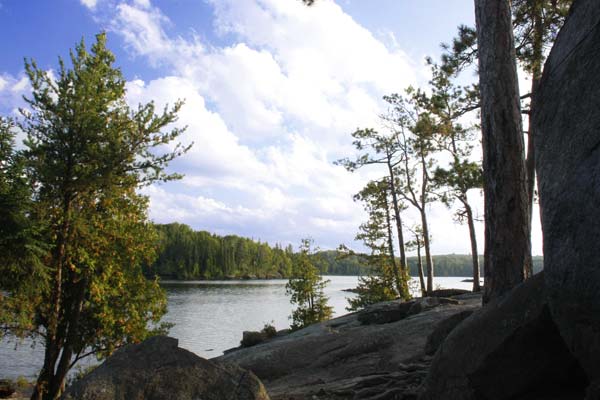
x: 510, y: 349
x: 442, y: 330
x: 567, y: 120
x: 158, y: 369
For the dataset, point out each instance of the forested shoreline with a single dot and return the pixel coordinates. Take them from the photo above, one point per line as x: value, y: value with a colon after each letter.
x: 191, y: 255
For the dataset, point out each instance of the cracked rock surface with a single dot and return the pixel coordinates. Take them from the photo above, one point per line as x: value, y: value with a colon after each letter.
x: 376, y: 354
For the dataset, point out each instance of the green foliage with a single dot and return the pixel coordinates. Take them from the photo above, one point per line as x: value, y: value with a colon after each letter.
x: 188, y: 254
x: 306, y: 289
x: 22, y: 382
x: 535, y: 25
x: 376, y: 287
x: 269, y: 330
x: 385, y: 280
x: 86, y: 155
x: 21, y: 249
x: 460, y: 265
x: 332, y: 262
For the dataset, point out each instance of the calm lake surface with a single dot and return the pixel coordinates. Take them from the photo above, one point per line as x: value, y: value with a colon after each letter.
x: 210, y: 316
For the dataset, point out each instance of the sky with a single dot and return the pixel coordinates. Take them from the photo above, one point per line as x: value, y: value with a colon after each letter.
x: 272, y: 89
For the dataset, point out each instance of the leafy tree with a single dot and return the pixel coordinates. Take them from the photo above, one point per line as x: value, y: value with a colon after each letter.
x: 384, y: 280
x: 384, y: 150
x: 86, y: 155
x: 21, y: 248
x: 306, y: 290
x: 414, y: 135
x: 377, y: 235
x: 447, y: 104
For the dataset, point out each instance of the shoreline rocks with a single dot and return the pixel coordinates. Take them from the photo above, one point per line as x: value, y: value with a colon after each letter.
x: 157, y: 369
x: 345, y: 358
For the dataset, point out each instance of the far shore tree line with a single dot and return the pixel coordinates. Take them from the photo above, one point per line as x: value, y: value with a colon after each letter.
x: 186, y: 254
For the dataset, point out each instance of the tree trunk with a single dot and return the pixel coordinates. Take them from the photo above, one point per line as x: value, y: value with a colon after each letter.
x: 57, y: 384
x: 536, y: 75
x: 426, y: 245
x: 473, y: 237
x: 420, y: 267
x: 397, y: 216
x: 53, y: 336
x: 388, y: 220
x: 507, y: 223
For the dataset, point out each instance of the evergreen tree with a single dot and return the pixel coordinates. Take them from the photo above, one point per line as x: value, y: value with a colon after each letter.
x: 448, y: 103
x: 306, y: 289
x: 86, y: 155
x: 414, y: 134
x: 383, y: 282
x: 381, y: 149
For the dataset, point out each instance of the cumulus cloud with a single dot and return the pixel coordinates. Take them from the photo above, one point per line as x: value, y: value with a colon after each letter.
x: 268, y: 113
x: 12, y: 89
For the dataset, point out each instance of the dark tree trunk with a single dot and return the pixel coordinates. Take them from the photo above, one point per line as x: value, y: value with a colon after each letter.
x: 474, y: 253
x: 64, y: 364
x: 420, y: 267
x: 426, y: 245
x: 388, y: 221
x: 54, y: 334
x: 536, y: 75
x: 398, y: 218
x: 424, y: 224
x: 507, y: 222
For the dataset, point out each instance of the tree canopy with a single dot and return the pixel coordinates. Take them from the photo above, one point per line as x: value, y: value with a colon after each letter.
x: 86, y: 154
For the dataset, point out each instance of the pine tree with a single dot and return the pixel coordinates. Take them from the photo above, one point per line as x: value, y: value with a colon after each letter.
x: 86, y: 155
x: 306, y: 289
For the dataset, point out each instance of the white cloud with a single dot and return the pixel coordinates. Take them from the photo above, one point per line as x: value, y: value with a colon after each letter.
x: 268, y: 113
x: 91, y: 4
x: 12, y: 89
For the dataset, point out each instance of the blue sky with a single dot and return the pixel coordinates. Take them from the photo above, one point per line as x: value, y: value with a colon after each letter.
x: 273, y: 90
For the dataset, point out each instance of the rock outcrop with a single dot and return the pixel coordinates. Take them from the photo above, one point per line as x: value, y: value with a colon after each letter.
x: 377, y: 353
x: 567, y: 118
x: 442, y: 330
x: 159, y: 370
x: 510, y: 349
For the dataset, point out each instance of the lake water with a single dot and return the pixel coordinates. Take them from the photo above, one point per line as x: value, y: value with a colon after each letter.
x: 210, y: 317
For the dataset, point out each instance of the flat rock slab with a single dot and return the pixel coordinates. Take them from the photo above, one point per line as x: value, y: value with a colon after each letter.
x: 157, y: 369
x: 346, y: 359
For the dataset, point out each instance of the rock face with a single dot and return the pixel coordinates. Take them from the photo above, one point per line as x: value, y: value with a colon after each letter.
x: 377, y: 353
x: 159, y: 370
x: 392, y: 311
x: 510, y: 349
x: 568, y: 167
x: 442, y: 330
